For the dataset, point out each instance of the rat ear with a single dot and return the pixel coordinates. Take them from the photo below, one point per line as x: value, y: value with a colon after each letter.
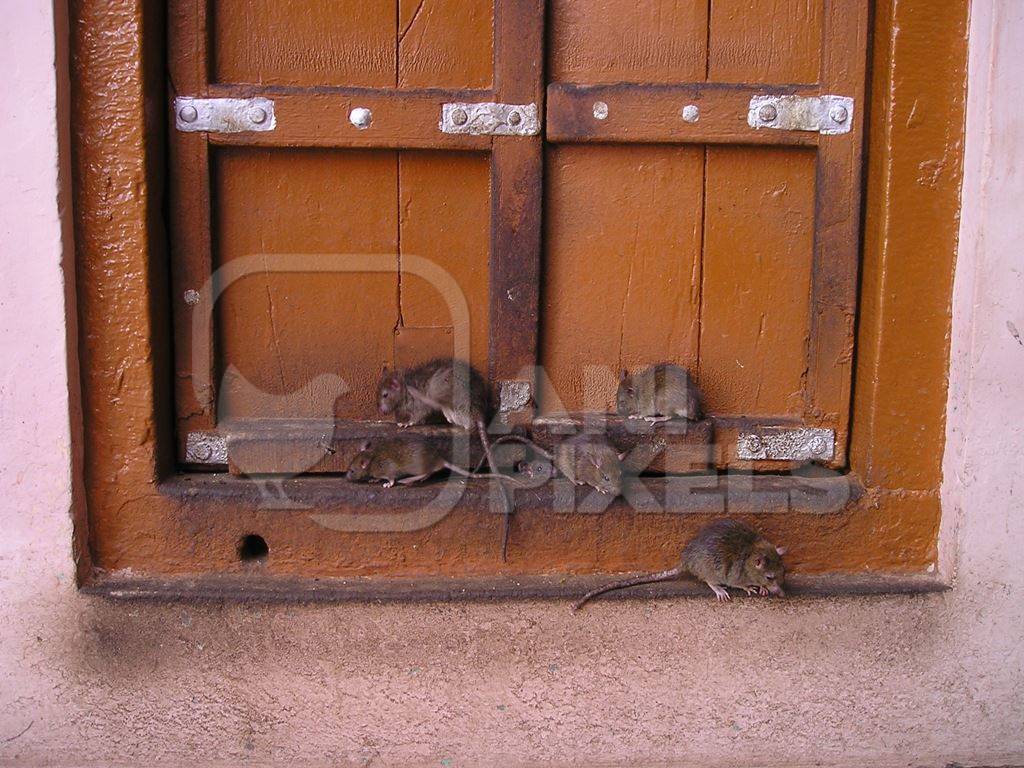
x: 780, y: 551
x: 759, y: 562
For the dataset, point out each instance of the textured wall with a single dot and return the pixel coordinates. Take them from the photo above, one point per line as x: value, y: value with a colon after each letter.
x: 866, y: 681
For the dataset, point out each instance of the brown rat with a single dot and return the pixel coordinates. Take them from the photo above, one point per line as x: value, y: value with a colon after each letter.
x: 584, y: 459
x: 450, y: 387
x: 724, y: 553
x: 402, y: 460
x: 659, y: 393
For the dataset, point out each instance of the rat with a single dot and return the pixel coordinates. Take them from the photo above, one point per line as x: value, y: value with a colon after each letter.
x: 456, y: 390
x: 659, y: 393
x: 404, y: 461
x: 583, y: 459
x: 724, y: 553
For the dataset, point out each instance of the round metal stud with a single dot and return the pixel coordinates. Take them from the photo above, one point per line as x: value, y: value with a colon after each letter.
x: 459, y: 116
x: 767, y: 113
x: 691, y: 113
x: 754, y: 443
x: 191, y: 297
x: 257, y: 115
x: 360, y: 117
x: 600, y: 110
x: 818, y: 446
x: 188, y: 114
x: 839, y: 114
x: 514, y: 118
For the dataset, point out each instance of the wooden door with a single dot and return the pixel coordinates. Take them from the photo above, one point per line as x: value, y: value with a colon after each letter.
x: 679, y: 223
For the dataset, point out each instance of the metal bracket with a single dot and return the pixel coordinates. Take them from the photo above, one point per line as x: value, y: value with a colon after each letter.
x: 828, y: 115
x: 490, y: 119
x: 206, y: 448
x: 223, y: 115
x: 778, y: 444
x: 514, y: 395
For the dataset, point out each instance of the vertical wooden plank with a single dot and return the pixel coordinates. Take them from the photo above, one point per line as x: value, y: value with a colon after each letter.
x: 290, y: 335
x: 837, y: 227
x: 621, y: 267
x: 767, y: 41
x: 444, y: 211
x: 637, y: 41
x: 516, y: 189
x: 189, y: 217
x: 758, y: 250
x: 445, y: 43
x: 305, y: 42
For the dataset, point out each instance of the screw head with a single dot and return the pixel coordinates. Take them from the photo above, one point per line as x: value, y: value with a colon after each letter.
x: 459, y: 116
x: 360, y: 117
x: 188, y: 114
x: 257, y: 115
x: 767, y: 113
x: 839, y: 114
x: 600, y: 110
x: 514, y: 118
x: 691, y: 113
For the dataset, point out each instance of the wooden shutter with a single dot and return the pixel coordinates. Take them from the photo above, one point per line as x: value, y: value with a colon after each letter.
x: 695, y: 236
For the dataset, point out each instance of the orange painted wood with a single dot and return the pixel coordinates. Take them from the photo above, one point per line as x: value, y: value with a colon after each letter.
x: 445, y: 43
x: 652, y: 114
x: 769, y: 41
x: 289, y: 334
x: 189, y: 221
x: 758, y: 256
x: 633, y: 41
x: 305, y: 42
x: 621, y: 281
x: 320, y: 118
x: 444, y: 205
x: 837, y: 235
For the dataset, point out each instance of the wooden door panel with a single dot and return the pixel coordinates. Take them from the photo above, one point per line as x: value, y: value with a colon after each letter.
x: 765, y: 41
x: 758, y: 256
x: 304, y: 42
x: 445, y: 43
x: 281, y: 331
x: 621, y: 269
x: 445, y: 208
x: 637, y: 41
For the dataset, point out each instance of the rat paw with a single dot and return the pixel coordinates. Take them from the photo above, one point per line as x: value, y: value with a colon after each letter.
x: 720, y: 592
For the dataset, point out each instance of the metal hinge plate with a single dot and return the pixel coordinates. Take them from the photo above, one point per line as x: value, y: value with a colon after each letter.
x: 206, y: 448
x: 778, y: 444
x: 828, y: 115
x: 223, y: 115
x: 490, y: 119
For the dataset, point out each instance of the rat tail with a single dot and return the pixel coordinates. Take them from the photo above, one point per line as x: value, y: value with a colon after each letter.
x: 650, y: 578
x: 505, y: 496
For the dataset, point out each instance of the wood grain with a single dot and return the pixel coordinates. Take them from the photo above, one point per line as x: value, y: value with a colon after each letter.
x: 289, y: 335
x: 758, y: 253
x: 621, y: 282
x: 445, y: 43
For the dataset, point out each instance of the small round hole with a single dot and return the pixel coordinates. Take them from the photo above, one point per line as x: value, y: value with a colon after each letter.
x: 252, y: 547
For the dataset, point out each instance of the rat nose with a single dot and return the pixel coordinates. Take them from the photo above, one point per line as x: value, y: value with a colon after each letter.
x: 776, y: 589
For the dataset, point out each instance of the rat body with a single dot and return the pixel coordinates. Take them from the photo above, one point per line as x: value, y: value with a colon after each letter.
x: 724, y: 553
x: 659, y: 393
x: 404, y: 461
x: 583, y: 459
x: 450, y: 387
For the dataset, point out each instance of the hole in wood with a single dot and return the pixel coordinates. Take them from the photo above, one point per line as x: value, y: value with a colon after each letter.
x: 253, y: 548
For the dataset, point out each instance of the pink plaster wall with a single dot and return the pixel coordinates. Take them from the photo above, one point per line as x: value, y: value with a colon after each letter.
x: 855, y: 681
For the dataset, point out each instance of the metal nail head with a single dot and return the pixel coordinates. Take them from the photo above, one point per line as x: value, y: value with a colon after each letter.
x: 188, y: 114
x: 691, y: 113
x: 459, y: 116
x: 258, y: 115
x: 767, y: 113
x: 600, y: 110
x: 360, y: 117
x: 514, y: 118
x: 839, y: 114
